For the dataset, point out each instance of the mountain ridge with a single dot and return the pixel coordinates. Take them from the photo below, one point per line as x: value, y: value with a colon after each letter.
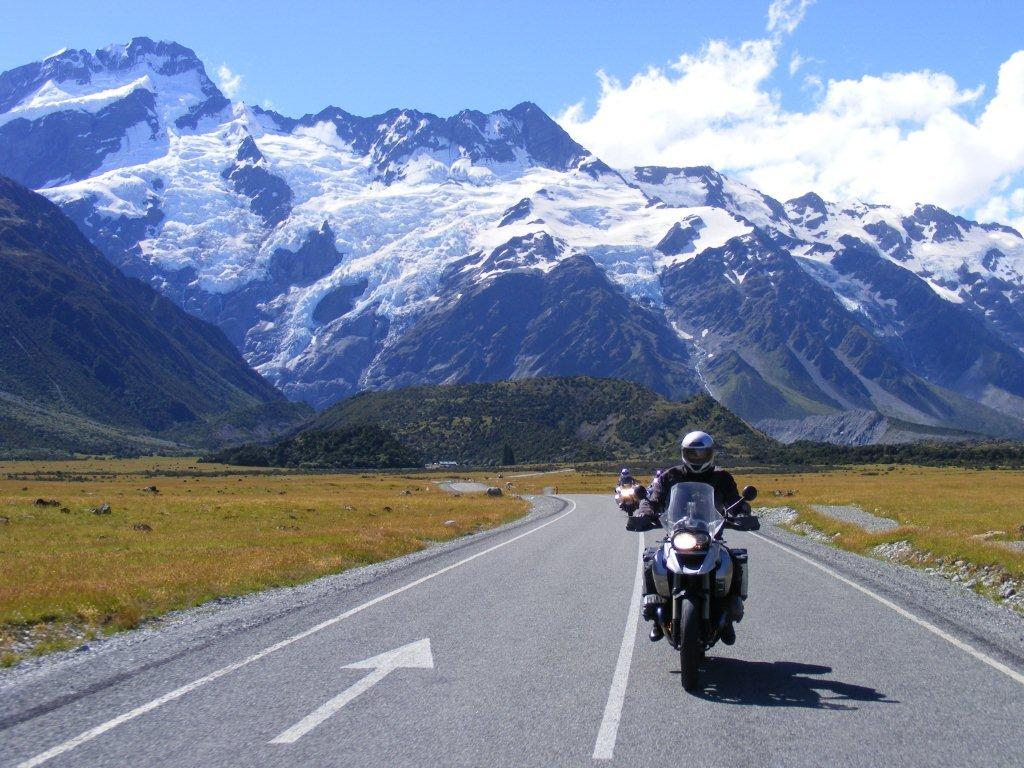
x: 330, y: 247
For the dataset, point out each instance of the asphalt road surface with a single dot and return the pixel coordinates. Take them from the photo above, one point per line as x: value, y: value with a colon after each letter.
x: 523, y: 648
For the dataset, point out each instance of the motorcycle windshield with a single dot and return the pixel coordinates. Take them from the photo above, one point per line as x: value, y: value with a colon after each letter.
x: 692, y: 505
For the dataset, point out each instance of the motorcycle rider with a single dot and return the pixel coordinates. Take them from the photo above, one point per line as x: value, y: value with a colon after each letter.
x: 698, y: 466
x: 628, y: 492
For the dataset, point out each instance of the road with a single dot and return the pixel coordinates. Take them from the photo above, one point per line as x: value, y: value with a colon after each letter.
x: 517, y: 649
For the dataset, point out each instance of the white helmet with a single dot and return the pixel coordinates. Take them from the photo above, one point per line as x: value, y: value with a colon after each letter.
x: 698, y: 451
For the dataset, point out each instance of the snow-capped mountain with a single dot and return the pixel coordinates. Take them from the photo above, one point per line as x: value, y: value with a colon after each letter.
x: 342, y: 253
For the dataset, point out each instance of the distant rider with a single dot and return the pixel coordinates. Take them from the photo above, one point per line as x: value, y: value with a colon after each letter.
x: 629, y: 492
x: 698, y: 466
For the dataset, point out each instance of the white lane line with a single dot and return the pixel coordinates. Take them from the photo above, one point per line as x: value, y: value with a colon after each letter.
x: 605, y: 744
x: 177, y: 693
x: 965, y: 647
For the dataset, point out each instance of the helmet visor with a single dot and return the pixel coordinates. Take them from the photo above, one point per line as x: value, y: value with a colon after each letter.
x: 698, y: 456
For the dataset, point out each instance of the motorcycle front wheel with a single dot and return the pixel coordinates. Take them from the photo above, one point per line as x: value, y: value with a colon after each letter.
x: 690, y: 646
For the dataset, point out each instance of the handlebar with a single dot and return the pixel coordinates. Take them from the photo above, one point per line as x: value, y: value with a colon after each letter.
x: 729, y: 513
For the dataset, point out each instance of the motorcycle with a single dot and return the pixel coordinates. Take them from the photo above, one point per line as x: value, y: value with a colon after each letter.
x: 628, y: 495
x: 700, y: 583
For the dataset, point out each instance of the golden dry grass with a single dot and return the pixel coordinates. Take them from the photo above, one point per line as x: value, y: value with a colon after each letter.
x: 939, y: 510
x: 215, y: 532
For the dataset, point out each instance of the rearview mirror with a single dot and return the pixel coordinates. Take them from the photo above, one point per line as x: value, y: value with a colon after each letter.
x: 749, y: 493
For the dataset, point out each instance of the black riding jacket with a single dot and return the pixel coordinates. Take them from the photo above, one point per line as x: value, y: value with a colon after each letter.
x: 726, y: 493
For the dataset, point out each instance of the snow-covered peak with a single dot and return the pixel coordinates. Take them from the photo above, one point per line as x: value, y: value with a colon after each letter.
x: 506, y: 141
x: 935, y: 244
x: 81, y: 80
x: 133, y: 99
x: 702, y: 185
x: 167, y: 57
x: 119, y: 106
x: 809, y: 210
x: 534, y: 251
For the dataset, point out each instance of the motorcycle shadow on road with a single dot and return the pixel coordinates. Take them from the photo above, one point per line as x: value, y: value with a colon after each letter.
x: 782, y: 684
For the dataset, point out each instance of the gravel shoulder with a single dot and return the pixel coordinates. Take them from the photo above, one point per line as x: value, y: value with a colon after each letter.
x: 857, y: 516
x: 990, y: 627
x: 548, y: 472
x: 462, y: 486
x: 69, y: 675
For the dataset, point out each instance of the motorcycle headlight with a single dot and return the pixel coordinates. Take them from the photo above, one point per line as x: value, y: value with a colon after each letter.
x: 688, y: 541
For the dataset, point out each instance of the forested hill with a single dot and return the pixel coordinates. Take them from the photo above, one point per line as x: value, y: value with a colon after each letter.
x: 542, y: 420
x: 561, y: 420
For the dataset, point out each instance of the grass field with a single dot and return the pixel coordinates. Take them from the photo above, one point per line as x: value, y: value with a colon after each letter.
x: 207, y: 531
x: 940, y: 510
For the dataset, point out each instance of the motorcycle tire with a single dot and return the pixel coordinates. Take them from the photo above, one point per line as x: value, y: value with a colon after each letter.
x: 691, y: 649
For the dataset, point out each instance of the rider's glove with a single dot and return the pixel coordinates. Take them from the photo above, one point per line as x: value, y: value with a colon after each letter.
x: 638, y: 522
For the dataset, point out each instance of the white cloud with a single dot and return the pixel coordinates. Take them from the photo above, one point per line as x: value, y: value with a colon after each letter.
x: 785, y: 15
x: 814, y: 84
x: 795, y: 62
x: 899, y: 138
x: 645, y: 120
x: 798, y: 62
x: 230, y: 82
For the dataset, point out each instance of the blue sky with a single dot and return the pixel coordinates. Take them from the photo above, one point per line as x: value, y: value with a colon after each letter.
x: 894, y: 101
x: 445, y: 56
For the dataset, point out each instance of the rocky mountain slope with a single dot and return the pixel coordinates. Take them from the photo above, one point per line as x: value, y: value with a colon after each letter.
x: 342, y: 253
x: 91, y: 360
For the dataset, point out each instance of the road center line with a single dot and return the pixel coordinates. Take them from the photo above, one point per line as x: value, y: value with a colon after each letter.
x: 177, y: 693
x: 965, y: 647
x: 605, y: 744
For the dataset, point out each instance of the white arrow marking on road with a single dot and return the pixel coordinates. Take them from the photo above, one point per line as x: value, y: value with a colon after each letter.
x: 414, y: 655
